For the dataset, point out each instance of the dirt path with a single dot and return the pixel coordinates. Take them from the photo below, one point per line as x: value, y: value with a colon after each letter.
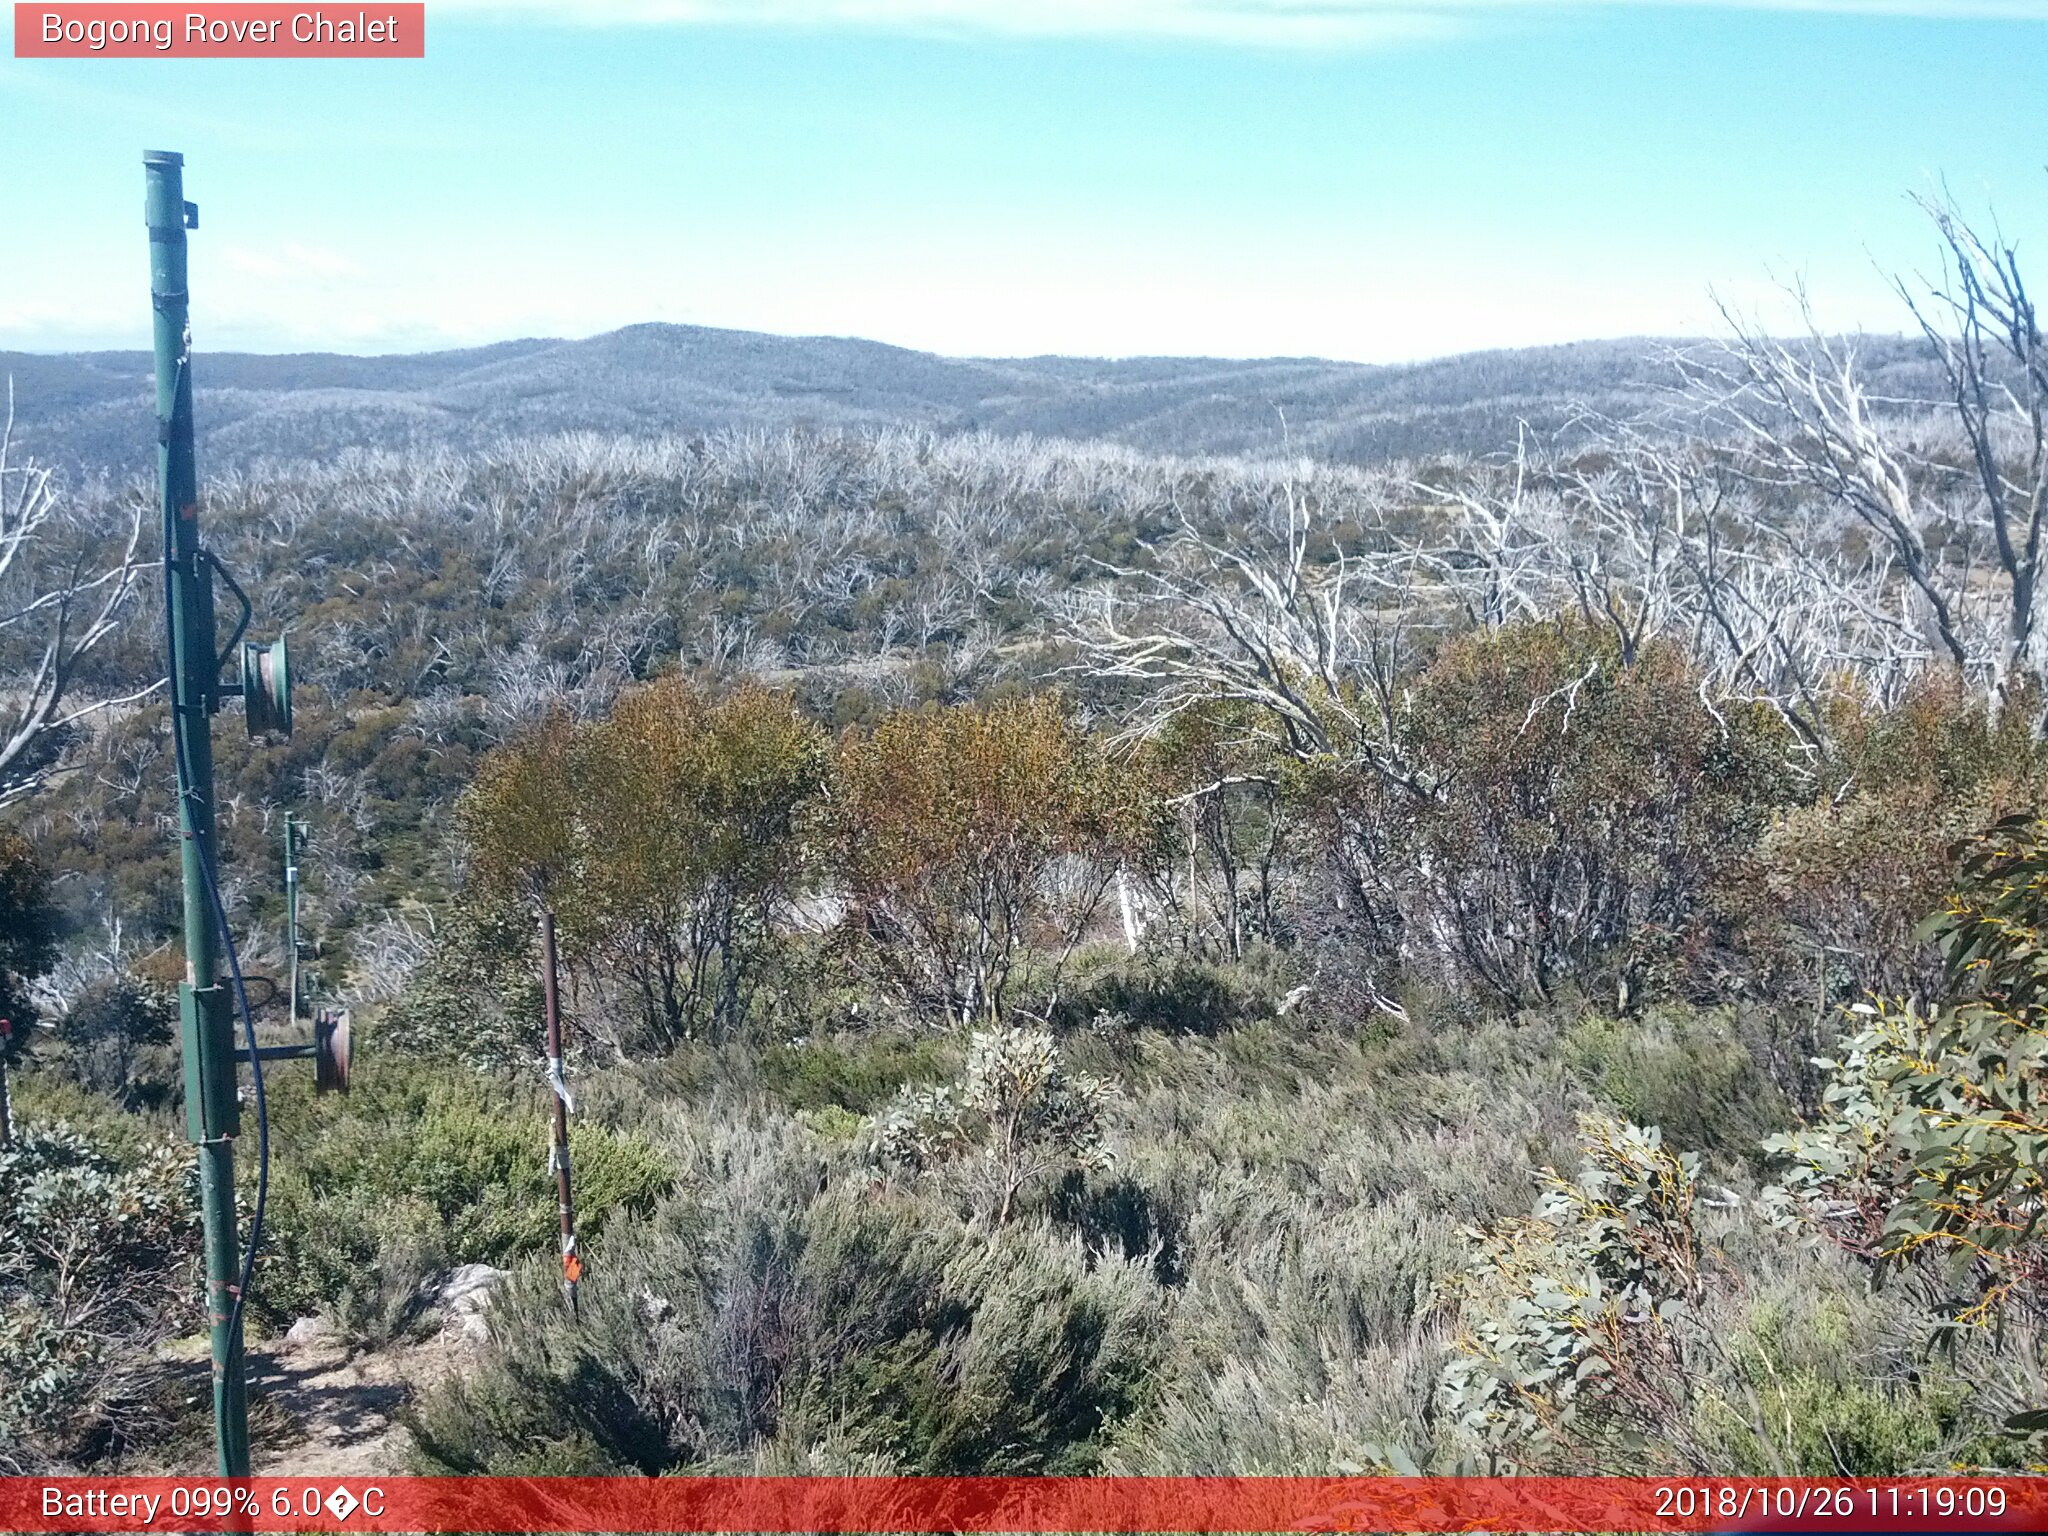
x: 318, y: 1409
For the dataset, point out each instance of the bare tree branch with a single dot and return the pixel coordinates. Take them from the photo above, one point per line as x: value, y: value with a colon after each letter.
x: 59, y: 601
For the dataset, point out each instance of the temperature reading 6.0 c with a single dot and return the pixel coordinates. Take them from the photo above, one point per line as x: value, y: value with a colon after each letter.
x: 308, y: 1504
x: 308, y: 1501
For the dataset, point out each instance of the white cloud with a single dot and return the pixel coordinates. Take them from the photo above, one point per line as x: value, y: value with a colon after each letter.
x: 288, y: 260
x: 1309, y: 24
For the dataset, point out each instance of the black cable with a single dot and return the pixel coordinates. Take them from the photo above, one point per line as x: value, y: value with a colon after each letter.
x: 262, y: 1107
x: 208, y: 876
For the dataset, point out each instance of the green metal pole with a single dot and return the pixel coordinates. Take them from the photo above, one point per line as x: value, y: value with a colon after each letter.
x: 212, y: 1117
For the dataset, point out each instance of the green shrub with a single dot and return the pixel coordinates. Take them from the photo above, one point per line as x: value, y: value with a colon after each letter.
x: 1019, y: 1115
x: 28, y: 937
x: 96, y: 1266
x: 358, y: 1256
x: 1303, y: 1345
x: 1928, y: 1160
x: 1215, y: 828
x: 51, y: 1098
x: 476, y: 995
x: 1638, y: 1320
x: 1580, y: 808
x: 119, y: 1038
x: 747, y: 1325
x: 1835, y: 1428
x: 1829, y: 903
x: 856, y: 1073
x: 1117, y: 1215
x: 1581, y: 1320
x: 1826, y: 1382
x: 949, y: 1350
x: 964, y: 837
x: 1170, y: 991
x: 418, y: 1169
x: 1688, y: 1072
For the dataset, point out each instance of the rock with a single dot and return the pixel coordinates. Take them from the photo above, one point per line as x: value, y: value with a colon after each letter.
x: 308, y: 1330
x: 465, y: 1296
x: 470, y: 1324
x: 469, y: 1288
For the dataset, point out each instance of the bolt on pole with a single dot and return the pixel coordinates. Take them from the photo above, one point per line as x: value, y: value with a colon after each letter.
x: 212, y: 1116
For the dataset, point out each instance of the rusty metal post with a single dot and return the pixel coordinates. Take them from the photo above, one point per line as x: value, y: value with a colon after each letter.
x: 6, y: 1107
x: 558, y: 1147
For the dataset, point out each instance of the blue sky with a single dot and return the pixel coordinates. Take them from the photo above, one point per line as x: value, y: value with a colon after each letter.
x: 1368, y: 179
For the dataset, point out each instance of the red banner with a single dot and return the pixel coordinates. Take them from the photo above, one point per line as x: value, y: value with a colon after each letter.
x: 103, y: 31
x: 1022, y: 1504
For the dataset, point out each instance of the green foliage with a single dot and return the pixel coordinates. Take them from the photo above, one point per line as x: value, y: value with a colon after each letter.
x: 477, y: 997
x: 1019, y: 1115
x: 1219, y: 836
x: 663, y: 838
x: 1579, y: 1318
x: 855, y: 1074
x: 1640, y: 1320
x: 96, y: 1262
x: 831, y: 1333
x: 1254, y: 1284
x: 1830, y: 899
x: 1936, y: 1138
x: 357, y: 1256
x: 28, y: 937
x: 51, y: 1098
x: 1172, y: 992
x: 1844, y: 1428
x: 947, y: 827
x: 687, y: 811
x: 1688, y: 1072
x: 1291, y: 1331
x: 1580, y: 807
x: 420, y: 1169
x: 517, y: 822
x: 1820, y: 1377
x: 119, y: 1037
x: 1300, y: 1340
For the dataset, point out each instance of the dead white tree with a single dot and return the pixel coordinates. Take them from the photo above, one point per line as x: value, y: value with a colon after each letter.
x: 1662, y: 539
x: 63, y: 594
x: 1952, y: 494
x: 1492, y: 548
x: 1982, y: 326
x: 1282, y: 612
x: 1287, y: 594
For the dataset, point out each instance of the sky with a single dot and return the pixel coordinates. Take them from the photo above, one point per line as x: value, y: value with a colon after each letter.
x: 1375, y: 180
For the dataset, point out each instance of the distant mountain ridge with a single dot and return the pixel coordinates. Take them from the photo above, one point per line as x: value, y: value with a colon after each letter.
x: 90, y: 412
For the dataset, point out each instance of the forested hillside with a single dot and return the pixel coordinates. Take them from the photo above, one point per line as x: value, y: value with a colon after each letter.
x: 90, y: 412
x: 1082, y: 957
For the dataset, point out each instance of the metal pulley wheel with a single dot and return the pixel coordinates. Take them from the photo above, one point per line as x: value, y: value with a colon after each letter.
x: 266, y: 688
x: 333, y: 1050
